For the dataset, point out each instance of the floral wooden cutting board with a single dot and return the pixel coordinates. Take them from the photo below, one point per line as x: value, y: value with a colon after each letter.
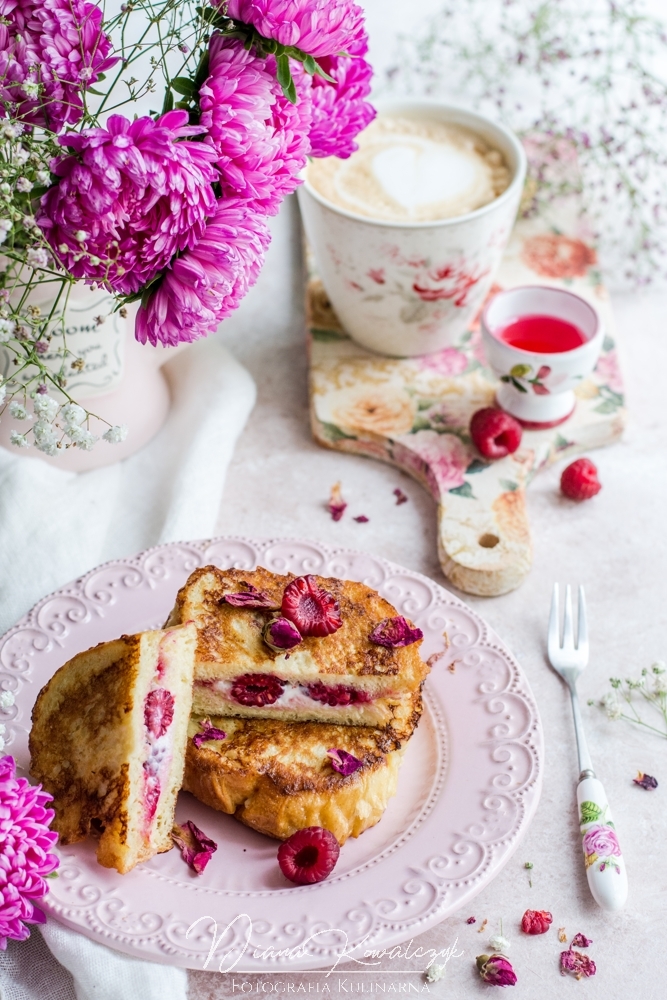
x: 415, y: 412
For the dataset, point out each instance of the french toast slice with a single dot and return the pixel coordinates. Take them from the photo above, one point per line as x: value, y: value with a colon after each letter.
x: 343, y: 678
x: 277, y: 777
x: 108, y: 742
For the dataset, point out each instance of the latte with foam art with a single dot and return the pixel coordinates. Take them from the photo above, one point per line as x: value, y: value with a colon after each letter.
x: 413, y: 170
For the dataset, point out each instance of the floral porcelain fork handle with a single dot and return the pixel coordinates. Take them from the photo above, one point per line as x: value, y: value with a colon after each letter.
x: 605, y: 867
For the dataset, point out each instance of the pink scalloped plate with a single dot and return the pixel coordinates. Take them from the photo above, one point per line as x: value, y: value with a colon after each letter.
x: 468, y: 788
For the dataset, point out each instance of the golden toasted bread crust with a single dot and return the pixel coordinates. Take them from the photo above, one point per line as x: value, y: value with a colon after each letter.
x: 230, y: 639
x: 277, y: 778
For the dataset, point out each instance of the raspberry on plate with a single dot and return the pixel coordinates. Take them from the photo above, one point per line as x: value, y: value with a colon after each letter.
x: 309, y: 855
x: 314, y: 611
x: 579, y: 480
x: 495, y: 433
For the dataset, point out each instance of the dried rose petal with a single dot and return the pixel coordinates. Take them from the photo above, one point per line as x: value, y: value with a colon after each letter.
x: 196, y: 848
x: 344, y: 762
x: 395, y: 632
x: 336, y: 505
x: 280, y: 634
x: 536, y: 922
x: 209, y: 732
x: 645, y: 781
x: 471, y: 920
x: 400, y: 497
x: 362, y: 519
x: 576, y: 963
x: 251, y: 598
x: 580, y: 941
x: 496, y: 969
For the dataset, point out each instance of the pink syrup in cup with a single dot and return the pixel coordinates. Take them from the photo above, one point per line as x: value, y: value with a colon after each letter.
x: 541, y: 334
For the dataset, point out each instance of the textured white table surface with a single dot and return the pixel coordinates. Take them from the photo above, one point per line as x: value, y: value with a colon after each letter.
x: 278, y: 484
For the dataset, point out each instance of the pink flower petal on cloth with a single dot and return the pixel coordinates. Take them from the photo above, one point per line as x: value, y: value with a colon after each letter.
x: 361, y: 519
x: 196, y: 848
x: 576, y: 963
x: 344, y: 762
x: 395, y: 632
x: 581, y: 941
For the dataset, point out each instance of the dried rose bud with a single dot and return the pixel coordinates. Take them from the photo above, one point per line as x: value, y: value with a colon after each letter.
x: 395, y: 632
x: 471, y: 920
x: 580, y: 941
x: 208, y: 732
x: 645, y: 781
x: 280, y: 634
x: 251, y: 598
x: 336, y: 504
x: 344, y: 762
x: 196, y: 848
x: 536, y: 922
x: 496, y: 970
x: 576, y: 963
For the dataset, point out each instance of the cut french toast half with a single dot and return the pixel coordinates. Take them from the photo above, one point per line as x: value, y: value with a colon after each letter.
x: 108, y: 742
x: 276, y: 777
x: 342, y: 678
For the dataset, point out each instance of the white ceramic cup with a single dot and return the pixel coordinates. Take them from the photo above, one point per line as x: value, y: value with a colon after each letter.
x: 409, y: 288
x: 538, y: 389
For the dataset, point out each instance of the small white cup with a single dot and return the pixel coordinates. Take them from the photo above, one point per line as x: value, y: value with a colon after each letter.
x: 409, y: 288
x: 538, y: 389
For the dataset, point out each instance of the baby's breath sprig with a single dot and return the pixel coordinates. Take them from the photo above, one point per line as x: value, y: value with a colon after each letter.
x: 625, y: 695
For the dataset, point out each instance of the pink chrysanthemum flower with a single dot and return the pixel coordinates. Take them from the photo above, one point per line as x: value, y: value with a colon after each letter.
x: 50, y: 51
x: 339, y: 109
x: 318, y: 27
x: 129, y: 197
x: 25, y: 842
x: 206, y: 283
x: 260, y: 138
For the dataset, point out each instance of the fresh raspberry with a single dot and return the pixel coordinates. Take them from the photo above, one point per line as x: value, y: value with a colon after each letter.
x: 336, y: 694
x: 495, y: 433
x: 536, y: 922
x: 257, y: 689
x: 158, y: 711
x: 309, y: 855
x: 314, y: 611
x: 151, y: 793
x: 580, y: 480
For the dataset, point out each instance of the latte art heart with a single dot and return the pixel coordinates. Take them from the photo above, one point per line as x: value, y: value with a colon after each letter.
x: 413, y: 170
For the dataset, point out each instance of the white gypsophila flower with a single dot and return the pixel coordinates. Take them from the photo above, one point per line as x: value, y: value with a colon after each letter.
x: 660, y: 684
x: 611, y: 705
x: 7, y: 699
x: 3, y: 392
x: 46, y: 438
x: 29, y: 222
x: 499, y: 943
x: 24, y: 185
x: 73, y: 414
x: 3, y: 729
x: 6, y: 225
x: 7, y: 328
x: 80, y: 235
x: 659, y: 667
x: 43, y: 177
x: 30, y: 88
x: 115, y: 434
x: 37, y: 257
x: 2, y: 745
x: 46, y: 408
x: 18, y: 410
x: 82, y: 437
x: 19, y: 440
x: 435, y: 973
x: 12, y: 131
x: 21, y: 156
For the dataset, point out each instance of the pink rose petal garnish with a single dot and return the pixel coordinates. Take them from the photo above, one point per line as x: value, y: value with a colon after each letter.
x: 400, y: 497
x: 576, y: 963
x: 251, y: 598
x: 645, y: 781
x: 196, y: 848
x: 336, y: 505
x: 395, y: 632
x: 344, y: 762
x: 209, y: 732
x: 362, y: 519
x: 281, y: 634
x: 581, y: 941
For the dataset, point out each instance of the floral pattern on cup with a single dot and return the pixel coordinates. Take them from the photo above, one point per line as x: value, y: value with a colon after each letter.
x: 525, y: 378
x: 599, y: 840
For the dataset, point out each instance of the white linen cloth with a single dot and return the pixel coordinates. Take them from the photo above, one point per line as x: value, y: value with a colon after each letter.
x: 56, y: 525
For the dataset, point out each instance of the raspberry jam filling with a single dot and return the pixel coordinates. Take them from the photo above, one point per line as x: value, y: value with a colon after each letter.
x: 260, y: 690
x: 158, y: 717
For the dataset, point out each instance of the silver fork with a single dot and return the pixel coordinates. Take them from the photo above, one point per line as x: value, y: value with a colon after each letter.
x: 605, y: 867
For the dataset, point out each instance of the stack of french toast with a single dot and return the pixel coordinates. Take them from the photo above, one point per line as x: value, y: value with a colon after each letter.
x: 287, y: 702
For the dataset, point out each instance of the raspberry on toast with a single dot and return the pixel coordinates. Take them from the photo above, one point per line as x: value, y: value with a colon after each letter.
x: 335, y: 673
x: 108, y: 742
x: 277, y: 777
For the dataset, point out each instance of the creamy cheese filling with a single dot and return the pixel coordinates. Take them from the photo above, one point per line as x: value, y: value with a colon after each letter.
x: 158, y: 744
x: 293, y: 696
